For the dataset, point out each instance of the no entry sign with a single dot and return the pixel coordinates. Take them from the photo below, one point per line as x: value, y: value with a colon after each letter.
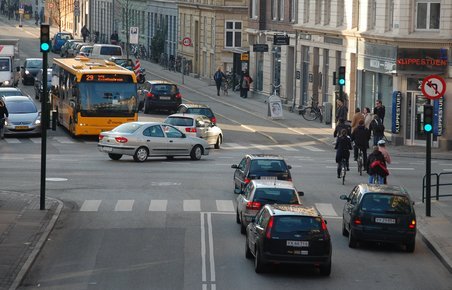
x: 433, y: 87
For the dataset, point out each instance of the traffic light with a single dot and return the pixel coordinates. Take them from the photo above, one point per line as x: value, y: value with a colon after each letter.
x: 428, y: 118
x: 341, y: 79
x: 45, y: 38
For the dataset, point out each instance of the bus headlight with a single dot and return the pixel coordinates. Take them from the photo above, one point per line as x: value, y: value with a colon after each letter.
x: 27, y: 72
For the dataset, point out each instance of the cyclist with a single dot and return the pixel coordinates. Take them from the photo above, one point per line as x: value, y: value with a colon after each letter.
x: 361, y: 137
x: 340, y: 126
x: 376, y: 166
x: 382, y: 148
x: 343, y: 147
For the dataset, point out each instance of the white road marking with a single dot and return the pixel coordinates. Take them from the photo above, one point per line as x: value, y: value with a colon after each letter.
x: 124, y: 205
x: 261, y: 147
x: 248, y: 128
x: 225, y: 205
x: 400, y: 168
x: 192, y: 205
x: 36, y: 140
x: 64, y: 140
x: 326, y: 209
x: 211, y: 253
x: 158, y: 205
x: 230, y: 146
x: 12, y: 140
x: 312, y: 148
x: 90, y: 205
x: 287, y: 147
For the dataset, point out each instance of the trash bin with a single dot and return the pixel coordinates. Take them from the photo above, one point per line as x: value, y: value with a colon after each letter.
x: 327, y: 112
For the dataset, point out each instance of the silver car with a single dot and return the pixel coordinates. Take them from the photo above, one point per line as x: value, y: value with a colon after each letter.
x: 24, y: 117
x: 143, y: 139
x: 199, y: 126
x: 261, y: 192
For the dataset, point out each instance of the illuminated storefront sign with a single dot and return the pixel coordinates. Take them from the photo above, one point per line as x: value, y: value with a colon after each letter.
x: 422, y: 60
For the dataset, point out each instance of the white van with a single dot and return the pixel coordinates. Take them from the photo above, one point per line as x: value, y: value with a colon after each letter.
x: 105, y: 51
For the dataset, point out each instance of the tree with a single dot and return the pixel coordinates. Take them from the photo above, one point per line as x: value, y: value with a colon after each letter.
x: 158, y: 44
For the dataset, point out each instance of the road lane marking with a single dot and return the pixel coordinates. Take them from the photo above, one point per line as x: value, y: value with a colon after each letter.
x: 312, y: 148
x: 326, y: 209
x: 12, y: 140
x: 124, y: 205
x: 261, y: 147
x: 400, y: 168
x: 225, y: 205
x: 64, y: 140
x: 287, y: 147
x: 192, y: 205
x: 90, y: 205
x: 211, y: 253
x: 203, y: 249
x: 158, y: 205
x: 36, y: 140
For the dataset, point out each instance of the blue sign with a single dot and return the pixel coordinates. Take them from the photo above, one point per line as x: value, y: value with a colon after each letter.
x: 396, y: 111
x: 438, y: 110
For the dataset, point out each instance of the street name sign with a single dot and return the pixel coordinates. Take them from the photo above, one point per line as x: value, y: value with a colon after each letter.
x: 281, y: 39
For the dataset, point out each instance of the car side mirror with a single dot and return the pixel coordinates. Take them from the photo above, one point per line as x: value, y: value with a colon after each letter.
x: 289, y: 166
x: 326, y: 222
x: 235, y: 166
x: 184, y: 136
x: 300, y: 193
x: 344, y: 197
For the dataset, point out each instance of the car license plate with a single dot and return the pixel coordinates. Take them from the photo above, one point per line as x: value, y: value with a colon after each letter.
x: 268, y: 177
x: 21, y: 127
x: 297, y: 243
x: 165, y: 98
x: 385, y: 221
x: 107, y: 149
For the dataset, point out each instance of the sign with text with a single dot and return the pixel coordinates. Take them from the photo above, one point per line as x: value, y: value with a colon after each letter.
x: 281, y: 39
x: 410, y: 60
x: 396, y: 111
x: 260, y: 47
x: 111, y: 78
x: 133, y: 39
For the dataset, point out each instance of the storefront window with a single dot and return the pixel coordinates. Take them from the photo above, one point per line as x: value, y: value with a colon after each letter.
x: 376, y: 86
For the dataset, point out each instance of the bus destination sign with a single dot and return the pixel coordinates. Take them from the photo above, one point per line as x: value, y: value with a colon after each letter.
x: 111, y: 78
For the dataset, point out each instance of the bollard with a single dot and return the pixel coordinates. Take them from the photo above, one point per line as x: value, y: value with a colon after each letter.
x: 54, y: 120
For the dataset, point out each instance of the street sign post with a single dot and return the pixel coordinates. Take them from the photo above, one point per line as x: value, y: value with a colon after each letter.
x: 44, y: 47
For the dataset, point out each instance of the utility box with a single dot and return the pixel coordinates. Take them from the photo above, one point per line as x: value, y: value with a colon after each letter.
x: 327, y: 112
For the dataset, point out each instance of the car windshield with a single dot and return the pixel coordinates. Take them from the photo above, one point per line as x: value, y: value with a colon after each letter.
x: 65, y: 36
x: 4, y: 64
x: 34, y: 63
x: 110, y: 50
x: 21, y: 107
x: 11, y: 93
x: 200, y: 111
x: 127, y: 128
x: 386, y: 203
x: 164, y: 89
x: 294, y: 224
x: 268, y: 165
x: 179, y: 121
x: 276, y: 195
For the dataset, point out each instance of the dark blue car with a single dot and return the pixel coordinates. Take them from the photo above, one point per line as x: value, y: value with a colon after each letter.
x: 59, y: 39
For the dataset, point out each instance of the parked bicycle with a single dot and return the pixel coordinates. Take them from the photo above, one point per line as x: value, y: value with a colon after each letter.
x: 313, y: 112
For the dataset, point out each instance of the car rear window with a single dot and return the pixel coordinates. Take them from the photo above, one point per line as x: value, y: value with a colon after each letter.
x: 385, y: 203
x: 293, y: 224
x: 276, y: 195
x: 179, y: 121
x: 11, y: 93
x: 127, y: 128
x: 110, y: 50
x: 21, y: 107
x: 200, y: 111
x: 268, y: 165
x: 164, y: 88
x: 34, y: 63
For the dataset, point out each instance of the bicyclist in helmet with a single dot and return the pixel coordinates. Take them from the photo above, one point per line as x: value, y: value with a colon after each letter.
x: 376, y: 166
x: 343, y: 147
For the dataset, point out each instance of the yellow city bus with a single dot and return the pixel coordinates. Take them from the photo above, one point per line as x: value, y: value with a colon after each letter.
x: 92, y: 95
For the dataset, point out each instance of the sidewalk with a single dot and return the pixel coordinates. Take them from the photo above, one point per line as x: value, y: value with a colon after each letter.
x: 24, y: 228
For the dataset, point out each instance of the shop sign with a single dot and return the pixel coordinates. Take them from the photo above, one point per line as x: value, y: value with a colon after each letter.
x: 281, y: 39
x: 244, y: 57
x: 396, y: 111
x: 412, y: 60
x: 438, y: 110
x: 377, y: 57
x: 260, y: 47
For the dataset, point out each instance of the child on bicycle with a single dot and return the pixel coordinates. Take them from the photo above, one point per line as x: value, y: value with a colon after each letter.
x: 343, y: 147
x: 376, y: 166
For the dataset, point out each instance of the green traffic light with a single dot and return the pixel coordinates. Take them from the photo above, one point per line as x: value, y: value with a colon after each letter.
x: 341, y: 82
x: 45, y: 46
x: 428, y: 128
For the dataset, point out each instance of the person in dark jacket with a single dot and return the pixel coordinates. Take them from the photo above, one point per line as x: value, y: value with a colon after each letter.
x: 377, y: 128
x: 342, y: 110
x: 376, y: 166
x: 218, y: 77
x: 380, y: 110
x: 3, y: 115
x: 343, y: 147
x: 342, y: 125
x: 361, y: 137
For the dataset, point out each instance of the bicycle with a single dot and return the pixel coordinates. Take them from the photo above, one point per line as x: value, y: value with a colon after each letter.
x: 313, y: 112
x: 360, y: 161
x: 343, y: 170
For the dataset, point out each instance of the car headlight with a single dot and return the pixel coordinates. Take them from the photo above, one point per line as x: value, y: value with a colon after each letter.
x: 38, y: 119
x: 6, y: 83
x: 27, y: 72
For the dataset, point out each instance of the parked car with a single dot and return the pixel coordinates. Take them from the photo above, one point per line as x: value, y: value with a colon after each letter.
x: 159, y: 95
x: 24, y: 117
x: 38, y: 83
x: 259, y: 166
x: 143, y: 139
x: 293, y: 234
x: 78, y: 47
x: 73, y: 49
x: 106, y: 51
x: 59, y: 39
x: 261, y: 192
x: 11, y: 91
x: 67, y: 45
x: 124, y: 62
x: 85, y: 50
x: 197, y: 126
x: 379, y: 213
x: 30, y: 69
x: 198, y: 109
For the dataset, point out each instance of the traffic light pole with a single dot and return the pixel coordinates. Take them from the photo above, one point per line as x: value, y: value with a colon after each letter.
x: 44, y: 125
x: 428, y: 170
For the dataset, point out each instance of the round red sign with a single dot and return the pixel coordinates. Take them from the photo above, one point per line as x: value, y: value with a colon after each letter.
x: 186, y: 41
x: 433, y: 87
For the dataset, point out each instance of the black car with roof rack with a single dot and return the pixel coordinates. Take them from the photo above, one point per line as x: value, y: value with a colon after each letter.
x: 292, y: 234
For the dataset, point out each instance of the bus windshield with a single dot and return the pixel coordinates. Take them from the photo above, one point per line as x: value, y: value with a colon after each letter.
x: 107, y: 99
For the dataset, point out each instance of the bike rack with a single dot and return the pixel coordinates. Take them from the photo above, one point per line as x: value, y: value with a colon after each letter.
x: 437, y: 185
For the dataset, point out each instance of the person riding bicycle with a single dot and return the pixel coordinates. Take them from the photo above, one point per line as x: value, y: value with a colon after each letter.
x: 361, y: 137
x: 342, y: 125
x: 376, y: 166
x: 343, y: 147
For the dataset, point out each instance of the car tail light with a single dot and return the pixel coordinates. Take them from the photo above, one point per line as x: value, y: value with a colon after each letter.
x: 121, y: 139
x: 214, y: 120
x: 324, y: 225
x: 268, y: 233
x: 150, y: 95
x: 253, y: 205
x: 190, y: 130
x: 101, y: 137
x: 289, y: 179
x: 357, y: 221
x: 412, y: 225
x: 178, y: 96
x: 247, y: 180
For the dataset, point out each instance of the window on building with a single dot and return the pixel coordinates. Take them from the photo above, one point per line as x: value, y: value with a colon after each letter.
x: 254, y: 9
x: 281, y: 10
x: 340, y: 12
x: 427, y: 15
x: 274, y: 9
x: 390, y: 14
x: 327, y: 12
x: 233, y: 34
x: 212, y: 31
x: 306, y: 12
x: 293, y: 5
x: 373, y: 14
x: 318, y: 14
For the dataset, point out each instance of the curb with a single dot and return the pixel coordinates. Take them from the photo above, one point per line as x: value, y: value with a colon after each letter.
x: 435, y: 248
x: 39, y: 245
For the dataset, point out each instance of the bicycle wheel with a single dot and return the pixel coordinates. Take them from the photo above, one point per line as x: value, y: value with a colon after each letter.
x: 343, y: 171
x: 309, y: 114
x: 360, y: 166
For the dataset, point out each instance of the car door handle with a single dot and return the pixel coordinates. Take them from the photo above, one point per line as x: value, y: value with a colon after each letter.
x: 148, y: 140
x: 171, y: 141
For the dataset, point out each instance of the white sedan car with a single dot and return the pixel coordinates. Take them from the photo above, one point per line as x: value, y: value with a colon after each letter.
x: 144, y: 139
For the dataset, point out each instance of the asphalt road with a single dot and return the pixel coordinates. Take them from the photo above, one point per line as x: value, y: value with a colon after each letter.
x: 171, y: 225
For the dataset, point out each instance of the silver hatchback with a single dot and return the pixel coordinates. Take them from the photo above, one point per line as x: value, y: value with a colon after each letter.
x: 24, y: 117
x: 261, y: 192
x: 143, y: 139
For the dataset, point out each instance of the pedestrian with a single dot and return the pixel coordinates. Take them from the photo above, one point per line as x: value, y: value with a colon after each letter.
x: 245, y: 84
x: 3, y: 116
x: 218, y: 78
x: 343, y: 147
x: 377, y: 128
x: 85, y: 32
x: 342, y: 125
x: 342, y: 110
x: 114, y: 38
x: 382, y: 148
x: 380, y: 110
x: 376, y: 166
x: 357, y: 117
x: 367, y: 117
x: 361, y: 137
x: 36, y: 17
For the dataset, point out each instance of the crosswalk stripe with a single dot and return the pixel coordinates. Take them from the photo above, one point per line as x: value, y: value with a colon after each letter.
x: 287, y: 147
x: 192, y: 205
x: 158, y: 205
x: 225, y: 205
x: 311, y: 148
x: 261, y: 147
x: 326, y: 209
x: 233, y: 146
x: 36, y: 140
x: 12, y: 140
x: 90, y: 205
x: 124, y: 205
x: 64, y: 140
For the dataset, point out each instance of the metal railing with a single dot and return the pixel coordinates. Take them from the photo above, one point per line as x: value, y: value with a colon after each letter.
x: 437, y: 185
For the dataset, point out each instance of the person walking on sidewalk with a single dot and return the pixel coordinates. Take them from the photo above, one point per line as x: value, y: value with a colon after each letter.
x: 245, y: 84
x: 218, y: 78
x: 377, y: 128
x: 85, y: 32
x: 367, y: 117
x: 342, y: 110
x: 3, y: 115
x: 380, y: 110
